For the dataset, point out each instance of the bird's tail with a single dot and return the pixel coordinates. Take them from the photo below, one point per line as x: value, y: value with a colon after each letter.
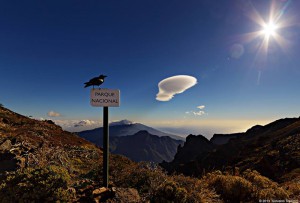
x: 86, y: 84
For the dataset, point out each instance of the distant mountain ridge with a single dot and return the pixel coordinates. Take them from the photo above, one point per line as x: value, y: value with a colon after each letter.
x: 143, y: 146
x: 273, y: 150
x: 122, y: 128
x: 136, y: 141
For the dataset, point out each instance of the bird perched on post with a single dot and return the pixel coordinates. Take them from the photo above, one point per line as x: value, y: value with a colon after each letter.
x: 95, y: 81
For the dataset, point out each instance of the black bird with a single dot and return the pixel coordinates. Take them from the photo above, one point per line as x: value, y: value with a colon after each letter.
x: 95, y: 81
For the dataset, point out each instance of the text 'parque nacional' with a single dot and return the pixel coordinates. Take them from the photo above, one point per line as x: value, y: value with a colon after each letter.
x: 105, y: 97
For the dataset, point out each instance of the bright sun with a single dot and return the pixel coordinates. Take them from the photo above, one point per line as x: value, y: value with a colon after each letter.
x: 269, y: 29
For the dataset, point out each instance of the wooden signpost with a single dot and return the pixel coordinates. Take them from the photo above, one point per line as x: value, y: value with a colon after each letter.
x: 105, y: 98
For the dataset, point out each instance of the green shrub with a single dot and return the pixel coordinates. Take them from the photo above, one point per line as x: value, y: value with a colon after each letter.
x: 293, y: 188
x: 250, y: 186
x: 62, y: 172
x: 34, y: 185
x: 263, y: 187
x: 169, y: 192
x: 197, y: 192
x: 154, y: 184
x: 231, y: 188
x: 141, y: 177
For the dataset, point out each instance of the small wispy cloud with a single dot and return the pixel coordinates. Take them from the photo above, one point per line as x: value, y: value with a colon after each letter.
x: 53, y: 114
x: 201, y: 107
x: 174, y: 85
x: 197, y: 113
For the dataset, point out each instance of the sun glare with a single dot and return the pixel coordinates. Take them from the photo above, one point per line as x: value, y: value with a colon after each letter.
x: 269, y: 29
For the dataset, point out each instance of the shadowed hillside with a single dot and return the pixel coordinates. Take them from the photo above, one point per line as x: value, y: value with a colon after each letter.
x: 144, y: 146
x: 273, y: 150
x: 137, y: 141
x: 26, y: 142
x: 193, y: 147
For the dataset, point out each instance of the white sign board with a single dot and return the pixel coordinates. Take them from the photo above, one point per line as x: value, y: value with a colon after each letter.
x: 105, y: 97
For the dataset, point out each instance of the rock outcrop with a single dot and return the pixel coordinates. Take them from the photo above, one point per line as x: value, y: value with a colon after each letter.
x: 220, y: 139
x: 194, y: 147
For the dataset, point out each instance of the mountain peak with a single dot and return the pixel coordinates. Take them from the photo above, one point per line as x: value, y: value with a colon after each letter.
x: 191, y: 137
x: 123, y: 128
x: 121, y: 122
x: 193, y: 147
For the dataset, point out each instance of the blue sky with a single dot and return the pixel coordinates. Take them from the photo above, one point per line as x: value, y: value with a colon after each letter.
x: 48, y: 49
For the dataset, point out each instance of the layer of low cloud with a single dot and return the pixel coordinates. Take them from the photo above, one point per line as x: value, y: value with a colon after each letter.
x: 53, y: 114
x: 174, y: 85
x: 78, y: 125
x: 86, y: 124
x: 83, y: 123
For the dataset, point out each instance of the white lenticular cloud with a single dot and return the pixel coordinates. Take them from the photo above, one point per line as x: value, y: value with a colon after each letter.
x: 53, y: 114
x: 174, y: 85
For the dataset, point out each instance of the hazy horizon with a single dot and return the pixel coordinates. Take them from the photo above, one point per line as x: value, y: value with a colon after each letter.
x: 207, y: 129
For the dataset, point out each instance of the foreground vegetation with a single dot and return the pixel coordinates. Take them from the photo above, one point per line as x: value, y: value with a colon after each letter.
x: 54, y: 183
